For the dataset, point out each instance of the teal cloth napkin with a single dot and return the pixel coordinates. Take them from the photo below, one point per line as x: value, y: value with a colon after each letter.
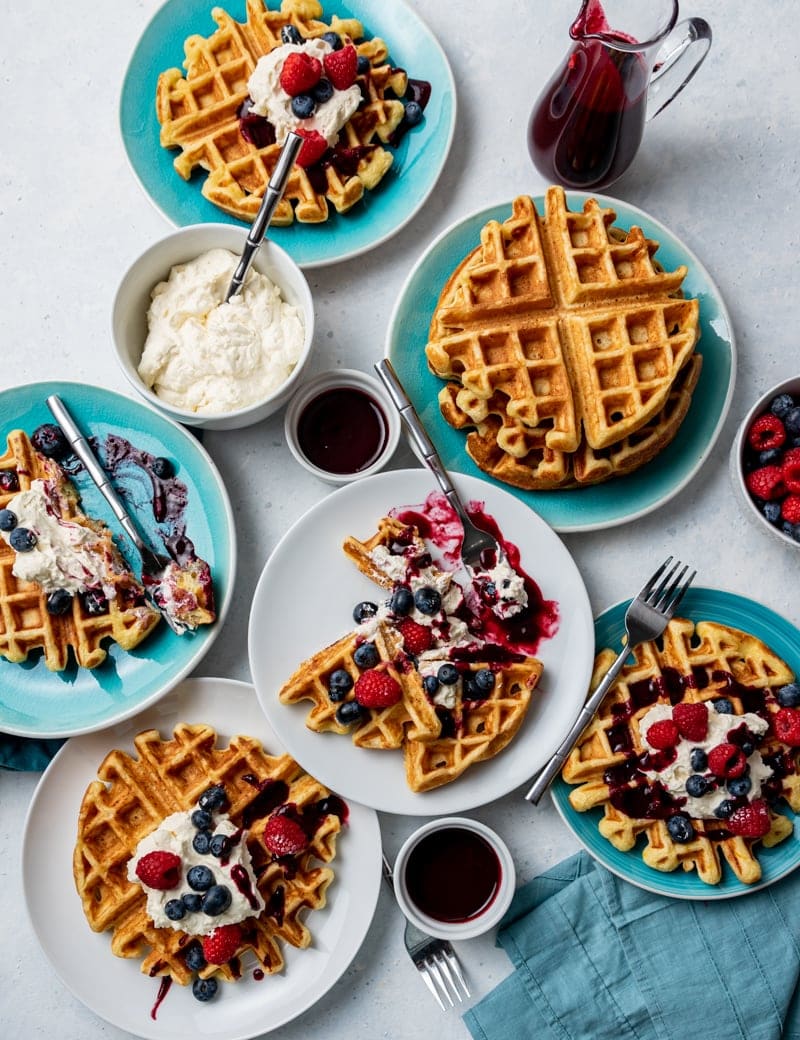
x: 597, y: 958
x: 26, y: 755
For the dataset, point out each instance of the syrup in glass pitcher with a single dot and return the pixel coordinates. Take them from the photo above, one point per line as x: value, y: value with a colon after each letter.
x: 628, y: 60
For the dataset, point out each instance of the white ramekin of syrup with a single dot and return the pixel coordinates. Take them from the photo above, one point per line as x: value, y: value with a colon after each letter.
x: 341, y: 426
x: 454, y: 878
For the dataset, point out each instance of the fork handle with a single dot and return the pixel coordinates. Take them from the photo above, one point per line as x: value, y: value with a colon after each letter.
x: 547, y: 775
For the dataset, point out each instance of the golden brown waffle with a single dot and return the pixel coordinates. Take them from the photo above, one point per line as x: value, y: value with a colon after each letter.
x: 25, y: 624
x: 198, y: 113
x: 557, y: 330
x: 134, y: 793
x: 390, y: 532
x: 715, y: 656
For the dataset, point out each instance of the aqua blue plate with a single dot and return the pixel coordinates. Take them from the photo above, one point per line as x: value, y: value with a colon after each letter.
x: 782, y: 637
x: 604, y: 505
x: 418, y: 160
x: 35, y: 702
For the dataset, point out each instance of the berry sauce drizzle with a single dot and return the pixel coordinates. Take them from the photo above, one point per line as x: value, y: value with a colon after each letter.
x: 163, y: 990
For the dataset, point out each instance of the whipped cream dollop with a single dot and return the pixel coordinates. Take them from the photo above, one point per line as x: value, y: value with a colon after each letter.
x: 66, y: 555
x: 512, y: 596
x: 175, y: 834
x: 207, y: 356
x: 674, y: 776
x: 271, y: 100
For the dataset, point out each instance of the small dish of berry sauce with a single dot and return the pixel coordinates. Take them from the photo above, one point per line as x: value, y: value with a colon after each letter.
x: 454, y: 878
x: 340, y: 426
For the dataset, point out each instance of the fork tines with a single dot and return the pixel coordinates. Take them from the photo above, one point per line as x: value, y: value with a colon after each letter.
x: 665, y: 595
x: 441, y: 973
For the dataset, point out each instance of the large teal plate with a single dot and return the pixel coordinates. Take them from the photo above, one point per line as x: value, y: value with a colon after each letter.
x: 418, y: 160
x: 35, y: 702
x: 782, y: 637
x: 618, y: 501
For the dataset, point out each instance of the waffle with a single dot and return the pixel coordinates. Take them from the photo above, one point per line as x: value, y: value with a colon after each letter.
x: 717, y: 657
x: 134, y: 793
x: 25, y: 624
x: 557, y: 331
x: 198, y: 114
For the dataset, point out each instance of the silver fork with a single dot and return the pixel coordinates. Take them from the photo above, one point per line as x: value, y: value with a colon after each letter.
x: 476, y: 541
x: 645, y: 619
x: 433, y: 958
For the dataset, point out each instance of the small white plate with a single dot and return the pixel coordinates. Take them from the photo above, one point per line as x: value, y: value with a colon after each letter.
x: 303, y: 602
x: 114, y: 988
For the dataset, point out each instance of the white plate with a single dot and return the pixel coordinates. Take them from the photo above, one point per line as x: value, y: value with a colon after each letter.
x: 303, y: 602
x: 115, y: 988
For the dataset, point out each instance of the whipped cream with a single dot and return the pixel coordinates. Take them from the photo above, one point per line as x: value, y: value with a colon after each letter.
x: 674, y: 776
x: 512, y: 596
x: 207, y: 356
x: 175, y: 834
x: 66, y: 555
x: 271, y: 100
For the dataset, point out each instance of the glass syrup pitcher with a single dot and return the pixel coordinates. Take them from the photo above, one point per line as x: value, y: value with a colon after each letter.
x: 629, y: 59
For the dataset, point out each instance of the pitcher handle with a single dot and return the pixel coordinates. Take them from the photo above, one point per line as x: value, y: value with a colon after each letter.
x: 672, y: 61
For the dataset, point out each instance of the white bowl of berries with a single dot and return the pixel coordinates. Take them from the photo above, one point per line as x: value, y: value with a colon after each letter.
x: 765, y: 461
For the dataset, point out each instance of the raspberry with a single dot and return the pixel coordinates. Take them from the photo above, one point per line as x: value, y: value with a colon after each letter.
x: 790, y: 509
x: 222, y: 944
x: 375, y: 689
x: 752, y: 820
x: 692, y: 720
x: 416, y: 638
x: 160, y: 870
x: 312, y: 149
x: 791, y: 470
x: 786, y: 724
x: 342, y: 67
x: 663, y: 735
x: 766, y: 482
x: 766, y: 432
x: 284, y: 836
x: 300, y: 72
x: 727, y: 761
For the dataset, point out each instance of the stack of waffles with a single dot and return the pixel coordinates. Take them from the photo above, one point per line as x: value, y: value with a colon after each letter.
x: 199, y: 114
x: 132, y: 796
x: 569, y: 351
x: 25, y: 622
x: 439, y: 741
x: 705, y: 663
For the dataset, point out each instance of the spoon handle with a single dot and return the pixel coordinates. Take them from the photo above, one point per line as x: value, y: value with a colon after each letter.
x: 272, y: 196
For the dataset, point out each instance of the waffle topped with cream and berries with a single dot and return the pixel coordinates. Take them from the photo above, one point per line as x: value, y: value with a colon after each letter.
x: 693, y: 748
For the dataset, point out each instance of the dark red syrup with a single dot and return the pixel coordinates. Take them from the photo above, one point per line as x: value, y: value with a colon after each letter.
x: 342, y: 430
x: 453, y: 875
x: 258, y: 974
x: 163, y: 990
x: 271, y: 794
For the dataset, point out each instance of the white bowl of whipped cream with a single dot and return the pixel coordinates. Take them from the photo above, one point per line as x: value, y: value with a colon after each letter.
x: 198, y: 359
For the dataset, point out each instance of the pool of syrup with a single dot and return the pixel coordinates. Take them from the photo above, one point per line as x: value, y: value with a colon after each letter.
x: 342, y: 430
x: 453, y: 875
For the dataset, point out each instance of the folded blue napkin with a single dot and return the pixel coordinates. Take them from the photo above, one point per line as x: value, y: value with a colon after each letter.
x: 597, y: 958
x: 26, y: 755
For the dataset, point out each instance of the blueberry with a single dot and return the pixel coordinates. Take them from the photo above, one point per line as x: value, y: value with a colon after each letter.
x: 427, y: 600
x: 50, y: 441
x: 699, y: 760
x: 490, y: 591
x: 723, y: 706
x: 213, y: 798
x: 402, y: 601
x: 201, y: 842
x: 366, y: 655
x: 9, y: 481
x: 364, y: 610
x: 339, y: 684
x: 413, y: 113
x: 349, y: 712
x: 781, y: 405
x: 217, y: 900
x: 323, y: 91
x: 725, y: 809
x: 303, y: 106
x: 334, y: 39
x: 484, y: 680
x: 363, y: 65
x: 771, y: 511
x: 219, y: 845
x: 793, y: 530
x: 163, y: 468
x: 22, y: 539
x: 94, y: 602
x: 792, y: 421
x: 447, y: 675
x: 431, y: 684
x: 696, y: 785
x: 175, y: 909
x: 789, y: 696
x: 748, y: 747
x: 58, y: 602
x: 291, y: 34
x: 680, y: 828
x: 194, y: 957
x: 740, y: 787
x: 201, y: 819
x: 204, y: 989
x: 770, y: 457
x: 8, y: 520
x: 193, y: 902
x: 200, y: 879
